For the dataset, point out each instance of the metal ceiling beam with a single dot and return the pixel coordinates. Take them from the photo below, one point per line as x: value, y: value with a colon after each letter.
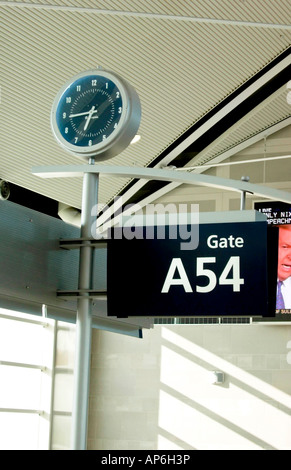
x: 254, y: 93
x: 261, y: 86
x: 267, y: 132
x: 72, y: 171
x: 216, y: 160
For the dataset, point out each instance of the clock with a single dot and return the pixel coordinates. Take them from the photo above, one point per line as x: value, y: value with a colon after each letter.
x: 96, y: 114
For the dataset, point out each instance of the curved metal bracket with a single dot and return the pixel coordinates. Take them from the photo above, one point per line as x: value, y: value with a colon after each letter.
x: 69, y: 171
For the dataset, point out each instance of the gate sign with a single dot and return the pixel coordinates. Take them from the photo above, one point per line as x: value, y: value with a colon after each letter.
x: 225, y: 275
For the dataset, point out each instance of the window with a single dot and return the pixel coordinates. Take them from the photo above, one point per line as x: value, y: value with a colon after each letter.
x: 26, y: 380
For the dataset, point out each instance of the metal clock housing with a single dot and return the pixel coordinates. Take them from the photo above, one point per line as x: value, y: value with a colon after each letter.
x: 96, y: 114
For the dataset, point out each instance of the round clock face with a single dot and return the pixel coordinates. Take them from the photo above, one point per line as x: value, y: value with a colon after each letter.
x: 90, y: 112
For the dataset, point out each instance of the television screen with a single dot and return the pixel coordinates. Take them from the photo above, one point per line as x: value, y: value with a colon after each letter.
x: 279, y: 259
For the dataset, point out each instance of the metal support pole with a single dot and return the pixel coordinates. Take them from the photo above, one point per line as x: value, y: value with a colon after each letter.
x: 243, y: 201
x: 243, y: 194
x: 84, y: 318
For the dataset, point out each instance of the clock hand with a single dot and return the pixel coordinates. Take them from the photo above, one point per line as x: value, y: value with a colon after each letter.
x: 92, y: 110
x: 83, y: 114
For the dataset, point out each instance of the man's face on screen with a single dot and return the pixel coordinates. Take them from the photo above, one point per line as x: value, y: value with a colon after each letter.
x: 284, y: 253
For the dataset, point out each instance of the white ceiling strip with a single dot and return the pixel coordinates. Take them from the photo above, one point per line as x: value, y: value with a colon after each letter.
x: 144, y: 15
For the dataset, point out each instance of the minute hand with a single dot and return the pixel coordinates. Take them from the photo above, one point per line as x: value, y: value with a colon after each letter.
x: 83, y: 114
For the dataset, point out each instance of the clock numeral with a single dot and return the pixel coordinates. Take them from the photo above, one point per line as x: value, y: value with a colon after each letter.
x: 94, y: 82
x: 66, y: 130
x: 115, y: 125
x: 64, y: 115
x: 78, y: 87
x: 106, y: 85
x: 120, y: 110
x: 76, y: 139
x: 90, y: 143
x: 68, y: 99
x: 104, y: 137
x: 117, y: 94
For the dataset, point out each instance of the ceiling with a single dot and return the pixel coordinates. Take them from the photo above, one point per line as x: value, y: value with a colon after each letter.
x: 212, y: 77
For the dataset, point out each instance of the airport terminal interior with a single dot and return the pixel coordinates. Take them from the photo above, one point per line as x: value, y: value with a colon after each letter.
x: 187, y: 344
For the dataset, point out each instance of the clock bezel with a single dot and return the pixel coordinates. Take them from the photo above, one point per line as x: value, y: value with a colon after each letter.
x: 120, y: 137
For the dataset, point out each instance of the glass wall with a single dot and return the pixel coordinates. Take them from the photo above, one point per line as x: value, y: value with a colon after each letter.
x: 26, y: 377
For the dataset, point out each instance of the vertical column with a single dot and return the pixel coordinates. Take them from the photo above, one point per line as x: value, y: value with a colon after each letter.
x: 243, y: 194
x: 84, y: 318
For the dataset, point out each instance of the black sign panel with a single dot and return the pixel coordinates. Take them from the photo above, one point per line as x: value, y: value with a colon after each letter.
x: 226, y: 275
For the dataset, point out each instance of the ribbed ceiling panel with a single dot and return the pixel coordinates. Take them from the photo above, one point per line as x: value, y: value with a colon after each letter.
x: 181, y: 69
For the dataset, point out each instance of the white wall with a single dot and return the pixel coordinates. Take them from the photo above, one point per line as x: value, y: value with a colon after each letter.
x: 155, y: 393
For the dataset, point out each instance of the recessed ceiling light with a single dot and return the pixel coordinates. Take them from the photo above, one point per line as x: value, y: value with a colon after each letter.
x: 136, y: 138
